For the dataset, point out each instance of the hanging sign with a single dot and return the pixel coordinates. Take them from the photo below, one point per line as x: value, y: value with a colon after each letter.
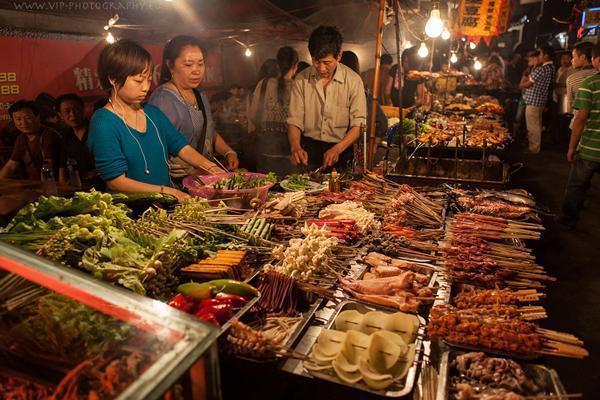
x: 479, y: 18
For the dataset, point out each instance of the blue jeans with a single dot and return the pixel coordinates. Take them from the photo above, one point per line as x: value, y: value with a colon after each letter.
x: 579, y: 182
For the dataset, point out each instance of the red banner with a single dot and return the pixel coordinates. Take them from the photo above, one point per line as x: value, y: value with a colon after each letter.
x: 29, y: 66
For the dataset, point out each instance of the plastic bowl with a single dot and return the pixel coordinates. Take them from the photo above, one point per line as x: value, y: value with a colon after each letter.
x: 239, y: 198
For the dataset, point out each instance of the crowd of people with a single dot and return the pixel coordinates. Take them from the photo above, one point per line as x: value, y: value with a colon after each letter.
x: 298, y: 116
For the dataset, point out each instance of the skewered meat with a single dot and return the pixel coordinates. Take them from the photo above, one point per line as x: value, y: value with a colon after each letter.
x: 476, y: 298
x: 383, y: 266
x: 513, y: 336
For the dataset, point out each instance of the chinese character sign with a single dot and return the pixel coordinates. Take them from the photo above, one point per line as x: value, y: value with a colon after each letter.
x: 29, y: 66
x: 480, y: 18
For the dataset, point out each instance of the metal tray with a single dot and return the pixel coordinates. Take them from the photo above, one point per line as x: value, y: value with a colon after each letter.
x: 238, y: 315
x: 296, y: 366
x: 546, y: 378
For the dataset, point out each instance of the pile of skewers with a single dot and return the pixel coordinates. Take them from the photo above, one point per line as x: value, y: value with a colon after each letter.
x: 500, y: 334
x: 407, y: 207
x: 488, y: 227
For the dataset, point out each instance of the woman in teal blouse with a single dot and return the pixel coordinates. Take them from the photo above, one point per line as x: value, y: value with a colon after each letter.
x: 132, y: 143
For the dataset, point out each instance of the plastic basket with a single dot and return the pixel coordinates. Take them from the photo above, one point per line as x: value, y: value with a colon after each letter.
x: 239, y: 198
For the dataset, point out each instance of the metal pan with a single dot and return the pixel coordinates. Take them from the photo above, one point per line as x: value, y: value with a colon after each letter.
x: 394, y: 391
x: 545, y: 378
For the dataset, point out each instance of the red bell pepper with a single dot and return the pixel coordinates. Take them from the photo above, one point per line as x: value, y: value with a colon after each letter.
x: 222, y: 312
x: 236, y: 301
x: 208, y: 317
x: 181, y: 303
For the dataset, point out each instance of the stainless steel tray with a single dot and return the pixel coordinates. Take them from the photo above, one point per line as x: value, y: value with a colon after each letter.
x: 304, y: 347
x: 546, y: 378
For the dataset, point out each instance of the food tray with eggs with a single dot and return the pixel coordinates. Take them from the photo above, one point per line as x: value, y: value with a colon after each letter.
x: 365, y: 348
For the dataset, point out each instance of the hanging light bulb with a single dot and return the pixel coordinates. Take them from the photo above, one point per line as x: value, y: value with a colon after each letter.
x: 477, y: 65
x: 434, y: 25
x: 407, y: 45
x: 446, y: 34
x: 423, y: 50
x: 248, y: 52
x: 110, y: 38
x: 472, y: 45
x: 453, y: 58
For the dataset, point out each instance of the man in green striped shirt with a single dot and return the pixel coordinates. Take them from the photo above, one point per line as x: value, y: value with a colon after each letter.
x: 584, y: 145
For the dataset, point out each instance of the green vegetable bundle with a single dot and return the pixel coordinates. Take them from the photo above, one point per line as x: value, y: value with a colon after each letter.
x: 242, y: 181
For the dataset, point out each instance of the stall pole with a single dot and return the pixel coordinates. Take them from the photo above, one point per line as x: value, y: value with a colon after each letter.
x: 373, y: 116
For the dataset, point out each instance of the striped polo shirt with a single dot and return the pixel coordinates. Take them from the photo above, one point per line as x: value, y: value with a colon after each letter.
x: 574, y: 82
x: 588, y: 98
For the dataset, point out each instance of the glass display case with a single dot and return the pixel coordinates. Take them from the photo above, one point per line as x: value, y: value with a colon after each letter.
x: 67, y: 335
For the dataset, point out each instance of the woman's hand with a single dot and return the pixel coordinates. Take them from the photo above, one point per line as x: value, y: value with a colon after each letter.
x: 232, y: 161
x: 178, y: 194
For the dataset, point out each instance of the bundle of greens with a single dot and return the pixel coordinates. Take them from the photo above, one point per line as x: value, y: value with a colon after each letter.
x: 298, y: 182
x: 241, y: 181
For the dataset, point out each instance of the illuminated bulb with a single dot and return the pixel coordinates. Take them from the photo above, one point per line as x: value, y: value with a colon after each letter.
x: 113, y: 20
x: 106, y: 27
x: 446, y: 34
x: 453, y: 58
x: 110, y: 38
x: 477, y: 65
x: 434, y: 25
x: 423, y: 51
x: 464, y: 39
x: 472, y: 45
x: 248, y: 52
x: 407, y: 45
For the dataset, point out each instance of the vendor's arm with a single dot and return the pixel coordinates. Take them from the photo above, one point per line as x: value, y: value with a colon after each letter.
x: 295, y: 123
x: 127, y: 185
x: 192, y: 157
x: 9, y: 169
x: 387, y: 95
x: 223, y: 149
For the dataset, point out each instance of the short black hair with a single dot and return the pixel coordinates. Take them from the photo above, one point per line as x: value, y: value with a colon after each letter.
x: 302, y: 65
x: 533, y: 53
x: 584, y: 48
x: 68, y: 97
x: 350, y: 60
x: 23, y: 104
x: 172, y: 51
x: 596, y: 51
x: 325, y: 40
x: 547, y: 50
x: 386, y: 59
x: 120, y: 60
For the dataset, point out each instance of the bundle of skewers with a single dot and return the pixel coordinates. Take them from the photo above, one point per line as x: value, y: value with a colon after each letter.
x: 400, y: 246
x: 470, y: 298
x: 502, y: 254
x: 500, y: 334
x: 409, y: 208
x: 418, y: 234
x: 488, y: 227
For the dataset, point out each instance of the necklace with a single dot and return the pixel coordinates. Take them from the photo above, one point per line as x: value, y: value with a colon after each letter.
x: 193, y: 104
x: 146, y: 170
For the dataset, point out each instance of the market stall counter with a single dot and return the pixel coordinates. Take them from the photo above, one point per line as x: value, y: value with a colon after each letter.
x: 66, y: 335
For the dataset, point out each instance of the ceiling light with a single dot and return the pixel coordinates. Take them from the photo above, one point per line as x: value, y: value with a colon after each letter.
x: 472, y: 45
x: 453, y: 58
x: 477, y: 65
x: 110, y: 38
x: 446, y: 34
x: 248, y: 52
x: 423, y: 51
x: 434, y: 25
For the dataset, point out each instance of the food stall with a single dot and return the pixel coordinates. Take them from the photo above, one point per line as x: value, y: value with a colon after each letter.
x: 383, y: 288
